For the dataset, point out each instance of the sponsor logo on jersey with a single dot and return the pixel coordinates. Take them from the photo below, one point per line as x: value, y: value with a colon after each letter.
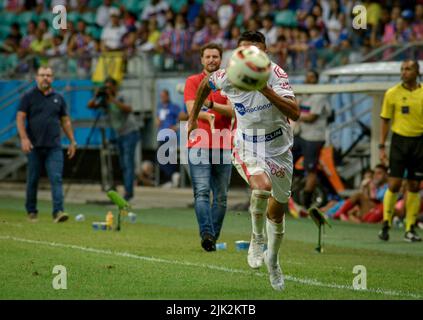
x: 242, y: 110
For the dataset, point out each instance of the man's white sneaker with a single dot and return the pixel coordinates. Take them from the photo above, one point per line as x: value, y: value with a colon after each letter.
x: 255, y: 252
x: 275, y: 274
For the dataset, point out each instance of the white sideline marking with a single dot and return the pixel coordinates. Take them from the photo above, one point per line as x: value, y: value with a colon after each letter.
x: 305, y: 281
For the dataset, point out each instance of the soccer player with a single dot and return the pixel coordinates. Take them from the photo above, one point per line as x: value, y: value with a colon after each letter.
x: 403, y: 105
x: 269, y: 174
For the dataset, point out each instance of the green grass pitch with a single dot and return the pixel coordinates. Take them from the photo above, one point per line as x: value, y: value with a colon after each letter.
x: 159, y: 257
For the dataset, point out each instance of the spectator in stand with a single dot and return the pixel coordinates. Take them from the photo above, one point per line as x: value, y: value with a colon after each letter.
x: 11, y: 44
x: 153, y: 36
x: 418, y: 22
x: 39, y: 44
x: 280, y: 51
x: 30, y: 35
x: 303, y: 10
x: 157, y: 9
x: 226, y: 14
x: 269, y: 31
x: 58, y: 48
x: 389, y: 32
x: 377, y: 31
x: 44, y: 26
x: 253, y: 25
x: 210, y: 7
x: 176, y: 43
x: 317, y: 13
x: 216, y: 34
x: 103, y: 13
x: 202, y: 36
x: 402, y: 33
x: 111, y: 37
x: 265, y: 9
x: 15, y: 6
x: 192, y: 10
x: 82, y: 47
x: 231, y: 38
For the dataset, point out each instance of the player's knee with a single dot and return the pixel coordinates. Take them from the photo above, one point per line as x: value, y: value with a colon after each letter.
x: 261, y: 184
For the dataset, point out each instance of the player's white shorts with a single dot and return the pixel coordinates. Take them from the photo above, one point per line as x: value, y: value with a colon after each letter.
x: 279, y: 168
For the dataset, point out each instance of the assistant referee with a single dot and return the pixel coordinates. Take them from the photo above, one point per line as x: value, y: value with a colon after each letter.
x: 403, y: 106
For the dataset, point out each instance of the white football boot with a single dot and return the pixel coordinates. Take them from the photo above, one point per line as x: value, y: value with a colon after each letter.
x: 275, y: 274
x: 255, y: 252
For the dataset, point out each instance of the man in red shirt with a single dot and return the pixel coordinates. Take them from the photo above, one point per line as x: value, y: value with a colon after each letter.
x: 210, y: 152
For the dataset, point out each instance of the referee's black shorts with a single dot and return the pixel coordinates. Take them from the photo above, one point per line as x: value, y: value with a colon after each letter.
x: 406, y: 156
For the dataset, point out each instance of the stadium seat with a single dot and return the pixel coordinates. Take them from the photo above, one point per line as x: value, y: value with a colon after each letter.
x: 47, y: 15
x: 95, y: 3
x: 25, y: 17
x: 74, y: 16
x: 7, y: 18
x: 94, y: 31
x: 4, y: 31
x: 177, y: 5
x: 135, y: 6
x: 286, y: 18
x: 89, y: 17
x: 239, y: 21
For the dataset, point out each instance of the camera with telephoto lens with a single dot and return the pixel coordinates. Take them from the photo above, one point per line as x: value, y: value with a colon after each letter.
x: 101, y: 97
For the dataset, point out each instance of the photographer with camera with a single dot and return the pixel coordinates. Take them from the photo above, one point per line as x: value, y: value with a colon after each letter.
x: 123, y: 122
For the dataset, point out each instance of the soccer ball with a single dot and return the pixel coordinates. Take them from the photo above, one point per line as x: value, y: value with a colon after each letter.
x: 249, y: 68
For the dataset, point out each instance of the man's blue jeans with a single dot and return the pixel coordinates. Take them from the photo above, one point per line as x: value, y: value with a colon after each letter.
x: 52, y: 160
x: 206, y: 177
x: 127, y: 145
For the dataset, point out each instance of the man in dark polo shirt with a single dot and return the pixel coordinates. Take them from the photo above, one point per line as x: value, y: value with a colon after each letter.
x: 41, y: 115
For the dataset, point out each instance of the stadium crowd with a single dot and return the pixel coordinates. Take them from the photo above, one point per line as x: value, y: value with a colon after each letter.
x: 300, y: 34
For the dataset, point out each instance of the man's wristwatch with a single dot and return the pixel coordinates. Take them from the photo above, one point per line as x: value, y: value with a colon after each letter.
x: 381, y: 146
x: 73, y: 143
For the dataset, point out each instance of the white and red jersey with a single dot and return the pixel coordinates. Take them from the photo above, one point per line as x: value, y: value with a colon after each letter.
x: 256, y: 114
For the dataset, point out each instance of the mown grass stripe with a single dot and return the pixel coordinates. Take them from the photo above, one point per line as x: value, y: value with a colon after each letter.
x: 304, y: 281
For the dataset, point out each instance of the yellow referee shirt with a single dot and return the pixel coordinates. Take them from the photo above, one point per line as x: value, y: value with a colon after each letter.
x: 405, y: 109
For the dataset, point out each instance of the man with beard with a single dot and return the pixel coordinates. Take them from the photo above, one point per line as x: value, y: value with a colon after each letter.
x: 210, y: 152
x: 41, y: 115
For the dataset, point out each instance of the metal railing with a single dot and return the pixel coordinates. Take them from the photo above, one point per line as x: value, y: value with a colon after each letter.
x: 394, y: 52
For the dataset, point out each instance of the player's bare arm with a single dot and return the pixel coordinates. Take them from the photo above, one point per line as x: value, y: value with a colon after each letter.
x: 223, y: 109
x: 202, y: 94
x: 308, y: 118
x: 287, y: 105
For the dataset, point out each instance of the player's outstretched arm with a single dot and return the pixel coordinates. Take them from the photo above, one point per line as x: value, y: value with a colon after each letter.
x: 203, y: 92
x: 287, y: 105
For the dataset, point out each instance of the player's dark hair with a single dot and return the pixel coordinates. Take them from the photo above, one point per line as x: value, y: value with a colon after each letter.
x: 211, y: 45
x: 252, y: 36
